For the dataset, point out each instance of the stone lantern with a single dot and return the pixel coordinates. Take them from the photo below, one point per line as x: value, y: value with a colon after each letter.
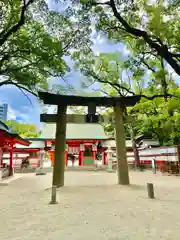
x: 40, y: 170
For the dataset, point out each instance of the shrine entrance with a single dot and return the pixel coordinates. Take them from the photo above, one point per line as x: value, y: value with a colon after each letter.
x: 79, y: 152
x: 61, y: 118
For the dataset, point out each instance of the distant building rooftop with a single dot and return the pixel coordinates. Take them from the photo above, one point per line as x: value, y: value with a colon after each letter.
x: 76, y: 131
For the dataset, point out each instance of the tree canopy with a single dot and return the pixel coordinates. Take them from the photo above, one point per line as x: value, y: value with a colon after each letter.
x: 33, y: 40
x: 146, y: 27
x: 25, y: 130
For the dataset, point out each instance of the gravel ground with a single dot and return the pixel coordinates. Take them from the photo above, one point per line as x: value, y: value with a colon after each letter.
x: 91, y: 206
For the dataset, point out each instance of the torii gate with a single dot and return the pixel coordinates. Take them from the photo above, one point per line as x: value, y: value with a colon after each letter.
x: 62, y: 101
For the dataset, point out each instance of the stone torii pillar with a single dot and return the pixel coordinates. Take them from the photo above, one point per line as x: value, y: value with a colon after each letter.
x: 60, y: 145
x: 122, y: 165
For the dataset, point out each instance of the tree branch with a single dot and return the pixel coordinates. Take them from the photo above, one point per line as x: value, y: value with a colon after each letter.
x: 114, y: 28
x: 16, y: 27
x: 158, y: 96
x: 176, y: 55
x: 71, y: 40
x: 147, y: 65
x: 3, y: 59
x: 160, y: 48
x: 25, y: 95
x: 18, y: 69
x: 9, y: 82
x: 118, y: 88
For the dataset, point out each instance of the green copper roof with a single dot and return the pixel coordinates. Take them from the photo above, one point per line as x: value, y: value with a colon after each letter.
x: 75, y: 131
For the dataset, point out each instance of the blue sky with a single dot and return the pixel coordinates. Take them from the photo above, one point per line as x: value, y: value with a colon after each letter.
x: 21, y: 109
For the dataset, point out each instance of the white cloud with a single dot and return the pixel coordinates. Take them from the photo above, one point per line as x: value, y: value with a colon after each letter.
x: 55, y: 6
x: 23, y: 115
x: 19, y: 105
x: 11, y: 115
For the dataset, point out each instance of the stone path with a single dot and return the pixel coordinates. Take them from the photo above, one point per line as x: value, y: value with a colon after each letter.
x: 91, y: 206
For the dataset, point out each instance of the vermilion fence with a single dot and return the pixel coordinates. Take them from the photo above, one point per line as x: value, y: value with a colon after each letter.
x: 162, y: 155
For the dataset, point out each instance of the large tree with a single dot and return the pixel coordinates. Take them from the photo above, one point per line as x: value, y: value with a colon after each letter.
x: 146, y: 28
x: 124, y: 75
x: 152, y: 26
x: 25, y: 130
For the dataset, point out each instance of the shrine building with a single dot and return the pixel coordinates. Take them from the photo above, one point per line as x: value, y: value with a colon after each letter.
x: 8, y: 140
x: 84, y: 140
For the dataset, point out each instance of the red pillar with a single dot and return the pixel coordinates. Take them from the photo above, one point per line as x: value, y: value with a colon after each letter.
x: 11, y: 160
x: 66, y: 158
x: 66, y: 154
x: 104, y: 158
x: 81, y: 155
x: 94, y: 151
x: 81, y: 158
x: 1, y: 157
x: 94, y: 156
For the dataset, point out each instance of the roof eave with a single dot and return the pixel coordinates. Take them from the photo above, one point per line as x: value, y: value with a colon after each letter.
x: 53, y: 139
x: 17, y: 138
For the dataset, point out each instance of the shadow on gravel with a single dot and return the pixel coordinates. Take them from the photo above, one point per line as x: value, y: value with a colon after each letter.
x: 136, y: 187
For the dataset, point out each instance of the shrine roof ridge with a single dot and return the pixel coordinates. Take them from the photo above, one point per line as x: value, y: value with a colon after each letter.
x: 71, y: 100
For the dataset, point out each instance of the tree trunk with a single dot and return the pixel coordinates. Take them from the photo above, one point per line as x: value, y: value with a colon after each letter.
x: 135, y: 150
x: 165, y: 92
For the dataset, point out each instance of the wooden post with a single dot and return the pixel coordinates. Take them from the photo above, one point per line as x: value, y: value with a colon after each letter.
x: 58, y: 170
x: 53, y: 195
x: 122, y: 165
x: 150, y: 190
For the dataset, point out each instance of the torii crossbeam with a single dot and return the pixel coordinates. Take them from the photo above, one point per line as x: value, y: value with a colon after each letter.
x: 62, y: 101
